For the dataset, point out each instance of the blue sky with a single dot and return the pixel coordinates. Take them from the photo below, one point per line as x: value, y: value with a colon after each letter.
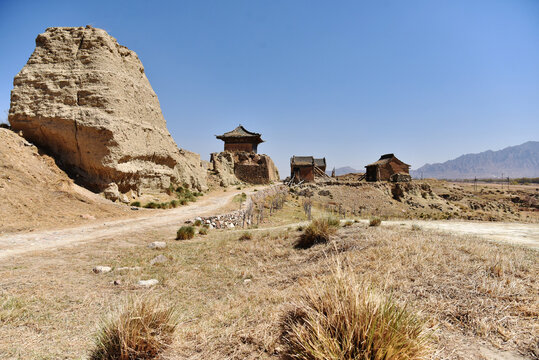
x: 348, y: 80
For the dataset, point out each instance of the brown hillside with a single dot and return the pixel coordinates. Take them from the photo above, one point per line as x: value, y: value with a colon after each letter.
x: 36, y: 194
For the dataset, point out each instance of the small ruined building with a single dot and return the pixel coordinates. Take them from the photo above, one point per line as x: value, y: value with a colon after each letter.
x: 240, y: 139
x: 388, y: 168
x: 307, y: 168
x: 240, y: 160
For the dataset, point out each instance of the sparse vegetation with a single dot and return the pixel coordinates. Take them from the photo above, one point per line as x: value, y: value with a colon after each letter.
x: 342, y: 318
x: 197, y: 223
x: 317, y: 232
x: 185, y: 233
x: 246, y: 236
x: 416, y: 227
x: 203, y: 231
x: 375, y: 221
x: 141, y: 329
x: 348, y: 223
x: 136, y: 203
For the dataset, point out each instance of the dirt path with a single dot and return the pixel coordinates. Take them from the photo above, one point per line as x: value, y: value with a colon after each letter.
x: 523, y: 234
x: 15, y: 244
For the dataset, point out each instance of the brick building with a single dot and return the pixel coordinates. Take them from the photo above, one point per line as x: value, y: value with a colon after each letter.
x: 385, y: 167
x: 306, y: 168
x: 240, y: 139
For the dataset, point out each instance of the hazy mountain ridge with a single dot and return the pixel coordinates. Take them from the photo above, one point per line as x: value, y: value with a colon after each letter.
x: 514, y: 161
x: 343, y: 171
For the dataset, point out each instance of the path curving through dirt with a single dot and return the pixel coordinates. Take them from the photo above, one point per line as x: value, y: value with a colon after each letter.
x: 16, y: 244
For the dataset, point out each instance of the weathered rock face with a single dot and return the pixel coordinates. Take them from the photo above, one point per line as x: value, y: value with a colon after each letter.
x: 87, y: 100
x: 246, y: 166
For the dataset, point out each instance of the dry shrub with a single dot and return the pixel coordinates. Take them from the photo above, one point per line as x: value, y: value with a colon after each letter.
x: 341, y: 318
x: 185, y: 233
x: 318, y: 232
x: 141, y: 329
x: 246, y: 236
x: 203, y: 231
x: 375, y: 221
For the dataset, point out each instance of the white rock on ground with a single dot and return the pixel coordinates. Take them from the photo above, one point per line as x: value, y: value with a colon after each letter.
x: 102, y: 269
x: 156, y: 245
x: 148, y: 283
x: 160, y: 259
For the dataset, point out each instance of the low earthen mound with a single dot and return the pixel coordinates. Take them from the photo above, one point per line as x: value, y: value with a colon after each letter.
x: 36, y: 194
x: 87, y: 100
x: 251, y: 168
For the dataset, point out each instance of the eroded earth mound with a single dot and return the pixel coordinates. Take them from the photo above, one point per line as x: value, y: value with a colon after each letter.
x: 36, y: 194
x: 86, y: 99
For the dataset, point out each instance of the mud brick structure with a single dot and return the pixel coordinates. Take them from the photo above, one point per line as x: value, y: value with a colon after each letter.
x: 306, y: 168
x: 255, y: 168
x: 240, y: 160
x: 387, y: 166
x: 240, y: 139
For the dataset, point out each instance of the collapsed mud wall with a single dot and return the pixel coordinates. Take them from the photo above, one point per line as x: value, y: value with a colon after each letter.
x: 86, y: 100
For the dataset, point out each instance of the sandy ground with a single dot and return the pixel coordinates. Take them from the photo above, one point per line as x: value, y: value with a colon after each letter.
x: 523, y: 234
x: 515, y: 233
x: 13, y: 244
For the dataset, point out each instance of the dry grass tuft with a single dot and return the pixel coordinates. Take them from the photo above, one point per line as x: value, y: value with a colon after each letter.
x: 318, y: 232
x: 348, y: 223
x: 141, y: 329
x: 185, y: 233
x: 246, y: 236
x: 375, y: 221
x: 342, y: 318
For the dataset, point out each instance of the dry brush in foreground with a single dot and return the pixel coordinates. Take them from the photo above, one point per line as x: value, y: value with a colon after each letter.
x: 341, y: 318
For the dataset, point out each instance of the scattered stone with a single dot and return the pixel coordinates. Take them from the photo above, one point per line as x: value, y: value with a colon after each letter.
x: 156, y: 245
x: 88, y: 217
x: 148, y: 283
x: 124, y: 199
x: 116, y: 282
x: 111, y: 192
x: 230, y: 226
x: 102, y: 269
x: 247, y: 281
x: 160, y: 259
x: 134, y: 208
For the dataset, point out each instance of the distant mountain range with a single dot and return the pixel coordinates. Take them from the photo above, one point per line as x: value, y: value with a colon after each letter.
x: 514, y: 161
x: 343, y: 171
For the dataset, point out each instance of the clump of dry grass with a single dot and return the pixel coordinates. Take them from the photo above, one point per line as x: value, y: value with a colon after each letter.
x: 342, y: 318
x: 141, y: 329
x: 246, y: 236
x: 375, y: 221
x: 203, y: 231
x: 185, y: 233
x: 318, y: 232
x: 348, y: 223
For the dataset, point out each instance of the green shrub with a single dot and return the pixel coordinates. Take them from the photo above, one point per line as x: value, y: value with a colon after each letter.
x: 140, y: 329
x: 174, y: 203
x: 152, y: 205
x: 185, y: 233
x: 246, y: 236
x: 197, y: 223
x: 135, y: 203
x: 317, y: 232
x: 341, y: 318
x: 375, y: 221
x: 203, y: 231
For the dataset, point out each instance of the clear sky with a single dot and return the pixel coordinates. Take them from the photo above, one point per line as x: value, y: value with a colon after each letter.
x: 348, y: 80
